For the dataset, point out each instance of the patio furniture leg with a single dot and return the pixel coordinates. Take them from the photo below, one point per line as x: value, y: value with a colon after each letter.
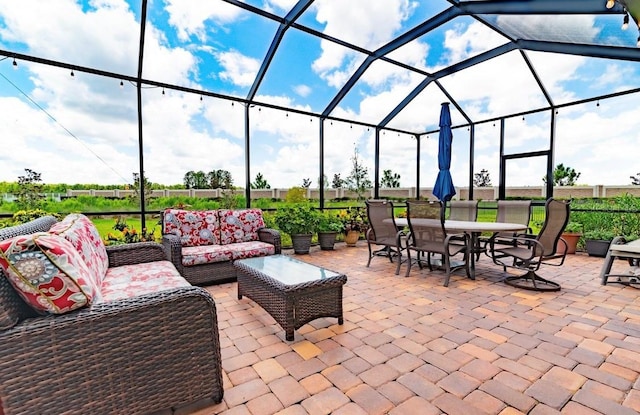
x: 532, y: 281
x: 399, y: 256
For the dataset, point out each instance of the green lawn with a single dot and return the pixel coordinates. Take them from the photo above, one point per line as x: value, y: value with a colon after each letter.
x: 105, y: 226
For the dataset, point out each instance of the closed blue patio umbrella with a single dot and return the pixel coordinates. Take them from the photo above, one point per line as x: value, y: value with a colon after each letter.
x: 443, y: 188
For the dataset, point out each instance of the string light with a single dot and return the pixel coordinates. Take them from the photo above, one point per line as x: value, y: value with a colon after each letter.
x: 15, y: 64
x: 72, y: 74
x: 162, y: 90
x: 121, y: 84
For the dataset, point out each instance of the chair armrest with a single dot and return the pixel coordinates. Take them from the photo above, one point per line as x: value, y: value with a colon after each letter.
x: 135, y: 253
x: 172, y: 248
x: 271, y: 236
x: 135, y: 355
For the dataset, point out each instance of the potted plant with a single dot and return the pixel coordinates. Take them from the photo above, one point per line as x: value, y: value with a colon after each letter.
x: 355, y: 221
x: 597, y: 242
x: 571, y: 235
x: 299, y: 221
x: 329, y: 226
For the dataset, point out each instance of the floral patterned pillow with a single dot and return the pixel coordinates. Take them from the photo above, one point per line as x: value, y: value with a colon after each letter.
x: 240, y: 225
x: 48, y: 272
x: 84, y: 236
x: 194, y: 227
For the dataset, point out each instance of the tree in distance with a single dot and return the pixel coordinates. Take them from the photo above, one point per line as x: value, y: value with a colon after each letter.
x: 390, y: 179
x: 358, y: 180
x: 563, y: 176
x: 260, y: 182
x: 482, y: 179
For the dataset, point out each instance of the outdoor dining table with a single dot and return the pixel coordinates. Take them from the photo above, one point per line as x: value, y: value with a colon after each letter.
x: 472, y: 228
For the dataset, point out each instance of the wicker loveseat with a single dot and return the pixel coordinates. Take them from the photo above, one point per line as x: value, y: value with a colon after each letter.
x: 121, y: 354
x: 202, y: 244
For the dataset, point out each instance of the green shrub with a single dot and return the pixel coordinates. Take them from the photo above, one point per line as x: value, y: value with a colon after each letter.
x: 330, y: 222
x: 297, y: 219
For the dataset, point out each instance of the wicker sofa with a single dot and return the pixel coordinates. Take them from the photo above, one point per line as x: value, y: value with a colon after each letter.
x: 202, y: 244
x: 130, y: 355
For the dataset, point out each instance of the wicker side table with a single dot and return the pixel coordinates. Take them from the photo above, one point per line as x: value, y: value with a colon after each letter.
x: 291, y: 291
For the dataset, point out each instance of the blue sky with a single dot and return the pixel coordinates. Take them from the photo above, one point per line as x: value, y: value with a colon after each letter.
x: 83, y: 129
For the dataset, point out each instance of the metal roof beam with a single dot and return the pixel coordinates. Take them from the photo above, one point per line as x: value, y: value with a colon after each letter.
x: 594, y: 51
x: 401, y: 40
x: 528, y: 7
x: 500, y: 50
x: 291, y: 17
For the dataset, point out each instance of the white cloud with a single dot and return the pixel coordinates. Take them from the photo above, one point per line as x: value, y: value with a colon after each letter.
x: 302, y: 90
x: 189, y: 16
x: 239, y: 69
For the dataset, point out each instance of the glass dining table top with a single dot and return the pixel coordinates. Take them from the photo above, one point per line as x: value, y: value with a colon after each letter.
x: 288, y: 270
x: 466, y: 226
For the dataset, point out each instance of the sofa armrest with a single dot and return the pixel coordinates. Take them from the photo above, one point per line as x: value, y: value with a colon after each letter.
x: 172, y: 248
x: 135, y: 253
x: 271, y: 236
x: 133, y: 356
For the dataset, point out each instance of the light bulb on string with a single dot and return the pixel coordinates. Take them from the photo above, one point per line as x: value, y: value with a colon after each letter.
x: 610, y: 4
x: 15, y: 64
x: 625, y: 22
x: 121, y: 84
x: 72, y: 74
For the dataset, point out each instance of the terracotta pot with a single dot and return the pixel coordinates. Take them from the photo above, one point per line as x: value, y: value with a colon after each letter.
x: 572, y: 242
x: 351, y: 238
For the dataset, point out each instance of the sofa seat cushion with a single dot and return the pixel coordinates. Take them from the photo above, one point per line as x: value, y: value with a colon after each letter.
x: 48, y: 272
x: 198, y: 255
x: 239, y: 225
x: 193, y: 227
x: 84, y: 236
x: 251, y: 249
x: 209, y: 254
x: 129, y: 281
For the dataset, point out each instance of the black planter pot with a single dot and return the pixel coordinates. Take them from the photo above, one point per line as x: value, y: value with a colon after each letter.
x: 327, y: 240
x: 301, y: 243
x: 597, y: 248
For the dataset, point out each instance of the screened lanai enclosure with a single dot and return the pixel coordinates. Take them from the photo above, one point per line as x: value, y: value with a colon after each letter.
x: 93, y: 91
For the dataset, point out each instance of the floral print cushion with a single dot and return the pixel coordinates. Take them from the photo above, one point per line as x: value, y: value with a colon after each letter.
x: 84, y: 236
x: 252, y: 249
x: 48, y: 272
x: 240, y: 225
x: 198, y: 255
x: 194, y: 227
x: 130, y: 281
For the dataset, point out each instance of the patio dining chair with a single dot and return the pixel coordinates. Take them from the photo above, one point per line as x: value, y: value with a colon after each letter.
x: 509, y: 211
x: 463, y: 210
x: 427, y: 235
x: 384, y: 232
x: 529, y: 252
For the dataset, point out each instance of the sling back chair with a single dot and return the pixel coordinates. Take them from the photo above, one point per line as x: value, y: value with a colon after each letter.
x: 528, y: 252
x: 384, y: 232
x: 427, y: 235
x: 509, y: 211
x: 463, y: 210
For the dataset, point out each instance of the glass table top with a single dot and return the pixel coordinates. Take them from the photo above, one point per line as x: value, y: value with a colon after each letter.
x: 288, y: 270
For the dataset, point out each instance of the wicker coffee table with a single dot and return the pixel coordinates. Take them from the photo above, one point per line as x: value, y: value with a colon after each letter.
x: 291, y: 291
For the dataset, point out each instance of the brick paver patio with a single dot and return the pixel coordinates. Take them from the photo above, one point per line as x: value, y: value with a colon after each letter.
x: 412, y: 346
